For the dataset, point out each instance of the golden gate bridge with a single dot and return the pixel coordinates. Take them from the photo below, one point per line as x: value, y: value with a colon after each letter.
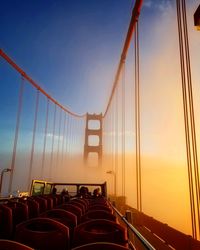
x: 61, y: 140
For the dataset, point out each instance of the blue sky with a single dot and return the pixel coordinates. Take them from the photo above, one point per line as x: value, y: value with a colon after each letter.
x: 62, y: 44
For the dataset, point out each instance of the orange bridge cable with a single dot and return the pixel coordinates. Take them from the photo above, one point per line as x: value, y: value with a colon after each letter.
x: 45, y: 135
x: 136, y: 126
x: 112, y: 139
x: 53, y: 140
x: 72, y: 138
x: 19, y: 111
x: 59, y: 134
x: 123, y: 129
x: 35, y: 85
x: 33, y: 138
x: 67, y: 137
x: 134, y: 18
x: 192, y: 114
x: 138, y: 112
x: 113, y: 146
x: 186, y: 121
x: 63, y: 140
x: 191, y: 117
x: 116, y: 138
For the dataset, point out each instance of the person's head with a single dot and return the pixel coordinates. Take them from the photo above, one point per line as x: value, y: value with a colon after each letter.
x: 54, y: 190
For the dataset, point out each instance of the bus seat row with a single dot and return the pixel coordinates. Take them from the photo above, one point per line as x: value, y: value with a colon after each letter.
x: 43, y: 223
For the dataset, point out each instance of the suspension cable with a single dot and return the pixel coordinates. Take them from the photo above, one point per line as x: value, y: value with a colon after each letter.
x: 53, y: 139
x: 33, y: 138
x: 45, y: 137
x: 20, y: 103
x: 59, y: 134
x: 116, y: 140
x: 189, y: 120
x: 192, y: 115
x: 137, y: 120
x: 67, y: 136
x: 186, y: 122
x: 123, y: 129
x: 63, y: 141
x: 35, y: 85
x: 134, y: 18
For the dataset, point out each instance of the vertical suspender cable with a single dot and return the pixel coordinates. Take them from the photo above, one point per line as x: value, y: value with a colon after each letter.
x: 33, y: 138
x: 192, y: 115
x: 67, y: 136
x: 116, y: 141
x: 184, y: 92
x: 20, y: 102
x: 123, y: 129
x: 53, y: 139
x: 136, y: 128
x: 45, y: 136
x: 59, y: 134
x: 112, y: 147
x: 186, y: 120
x: 63, y: 140
x: 137, y: 121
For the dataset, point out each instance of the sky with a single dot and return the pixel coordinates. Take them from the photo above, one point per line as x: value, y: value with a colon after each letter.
x: 67, y: 45
x: 71, y: 48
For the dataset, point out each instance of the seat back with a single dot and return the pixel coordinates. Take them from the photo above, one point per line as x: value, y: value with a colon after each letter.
x: 13, y: 245
x: 6, y: 225
x: 33, y: 207
x: 78, y: 204
x: 99, y: 231
x: 100, y: 246
x: 73, y: 209
x: 98, y: 214
x: 62, y: 216
x: 100, y: 207
x: 19, y: 211
x: 42, y: 203
x: 83, y: 202
x: 43, y: 234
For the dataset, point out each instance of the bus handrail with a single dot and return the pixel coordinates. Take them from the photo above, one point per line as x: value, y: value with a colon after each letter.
x: 140, y: 237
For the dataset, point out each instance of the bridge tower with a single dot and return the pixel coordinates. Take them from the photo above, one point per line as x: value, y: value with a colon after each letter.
x: 93, y: 132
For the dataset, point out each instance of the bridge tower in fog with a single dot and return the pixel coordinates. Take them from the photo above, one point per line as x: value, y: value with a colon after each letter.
x: 93, y: 132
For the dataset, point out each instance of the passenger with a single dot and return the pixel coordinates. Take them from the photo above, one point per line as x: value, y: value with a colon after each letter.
x: 65, y: 194
x: 64, y: 191
x: 54, y: 190
x: 84, y: 192
x: 96, y: 192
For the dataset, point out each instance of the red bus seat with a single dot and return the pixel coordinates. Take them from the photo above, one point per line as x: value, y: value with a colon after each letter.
x: 98, y: 214
x: 73, y: 209
x: 13, y: 245
x: 99, y: 231
x: 100, y: 246
x: 6, y: 225
x: 43, y: 234
x: 62, y: 216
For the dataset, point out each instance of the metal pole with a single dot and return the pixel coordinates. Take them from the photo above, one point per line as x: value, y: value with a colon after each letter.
x: 2, y: 175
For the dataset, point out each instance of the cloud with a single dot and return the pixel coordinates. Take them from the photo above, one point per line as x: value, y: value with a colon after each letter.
x: 113, y: 133
x: 148, y: 3
x: 56, y: 137
x: 161, y: 6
